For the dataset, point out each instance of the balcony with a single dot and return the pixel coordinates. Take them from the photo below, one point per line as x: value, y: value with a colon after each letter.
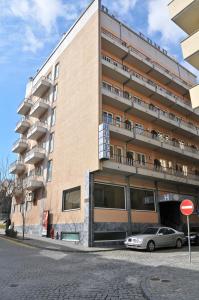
x: 41, y: 87
x: 33, y: 182
x: 150, y: 140
x: 149, y: 112
x: 37, y: 131
x: 190, y: 48
x: 35, y: 155
x: 194, y: 92
x: 143, y: 85
x: 20, y: 146
x: 24, y: 107
x: 127, y: 167
x: 185, y: 14
x: 17, y: 167
x: 23, y: 125
x: 133, y: 56
x: 39, y: 108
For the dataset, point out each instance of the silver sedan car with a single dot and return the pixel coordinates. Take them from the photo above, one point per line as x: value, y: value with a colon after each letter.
x: 156, y: 237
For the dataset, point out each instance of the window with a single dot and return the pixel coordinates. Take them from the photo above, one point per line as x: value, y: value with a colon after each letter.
x: 107, y: 86
x: 139, y: 128
x: 71, y: 198
x: 119, y: 154
x: 49, y: 170
x: 70, y: 236
x: 141, y: 159
x: 111, y: 151
x: 55, y: 89
x: 118, y: 121
x: 163, y: 164
x: 51, y: 142
x: 130, y: 157
x: 108, y: 117
x: 108, y: 196
x: 142, y: 199
x: 53, y: 116
x: 185, y: 170
x: 56, y: 72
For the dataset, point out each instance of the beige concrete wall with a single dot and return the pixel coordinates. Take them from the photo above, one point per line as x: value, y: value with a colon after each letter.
x: 194, y: 92
x: 190, y: 49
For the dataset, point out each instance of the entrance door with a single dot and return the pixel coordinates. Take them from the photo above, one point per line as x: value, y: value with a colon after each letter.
x: 170, y: 214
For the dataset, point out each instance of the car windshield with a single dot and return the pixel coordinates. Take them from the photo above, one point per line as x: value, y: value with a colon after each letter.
x: 150, y: 230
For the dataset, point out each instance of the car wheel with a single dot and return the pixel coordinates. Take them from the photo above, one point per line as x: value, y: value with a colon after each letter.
x: 151, y: 246
x: 179, y: 243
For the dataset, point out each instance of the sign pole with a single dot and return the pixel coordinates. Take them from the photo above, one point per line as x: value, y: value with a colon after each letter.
x: 189, y: 243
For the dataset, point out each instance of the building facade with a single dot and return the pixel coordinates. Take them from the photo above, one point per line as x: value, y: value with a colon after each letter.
x: 108, y: 139
x: 185, y: 13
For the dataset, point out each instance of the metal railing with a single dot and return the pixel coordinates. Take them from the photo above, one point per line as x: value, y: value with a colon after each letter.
x: 36, y: 85
x: 174, y: 98
x: 35, y: 150
x: 25, y: 141
x: 129, y: 161
x: 151, y: 107
x: 24, y: 101
x: 145, y: 57
x: 153, y: 134
x: 25, y: 118
x: 16, y: 162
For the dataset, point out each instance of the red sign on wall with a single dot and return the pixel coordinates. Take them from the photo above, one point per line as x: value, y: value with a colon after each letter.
x: 45, y: 223
x: 186, y: 207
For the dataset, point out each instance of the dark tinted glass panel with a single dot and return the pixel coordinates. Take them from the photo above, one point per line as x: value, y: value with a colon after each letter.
x: 71, y: 199
x: 108, y: 196
x: 142, y: 199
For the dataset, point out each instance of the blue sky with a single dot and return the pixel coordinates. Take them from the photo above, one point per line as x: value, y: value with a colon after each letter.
x: 30, y: 29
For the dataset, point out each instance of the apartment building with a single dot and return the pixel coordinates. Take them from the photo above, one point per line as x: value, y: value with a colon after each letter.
x: 185, y: 13
x: 108, y: 137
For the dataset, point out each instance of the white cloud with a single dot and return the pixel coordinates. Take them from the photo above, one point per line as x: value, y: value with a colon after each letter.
x: 31, y: 42
x: 38, y: 19
x: 159, y: 21
x: 120, y: 7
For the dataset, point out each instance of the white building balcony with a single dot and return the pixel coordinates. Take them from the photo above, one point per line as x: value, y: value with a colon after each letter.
x: 23, y: 125
x: 39, y: 108
x: 143, y: 85
x: 124, y: 166
x: 37, y: 131
x: 185, y: 14
x: 20, y: 146
x: 35, y: 155
x: 24, y: 107
x: 41, y: 87
x: 147, y: 111
x: 33, y: 182
x: 120, y: 49
x: 190, y: 48
x: 17, y: 167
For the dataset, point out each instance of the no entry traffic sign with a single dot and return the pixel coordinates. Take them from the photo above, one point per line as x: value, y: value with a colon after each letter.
x: 187, y: 207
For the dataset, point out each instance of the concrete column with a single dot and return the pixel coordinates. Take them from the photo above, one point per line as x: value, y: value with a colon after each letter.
x: 157, y: 202
x: 128, y: 205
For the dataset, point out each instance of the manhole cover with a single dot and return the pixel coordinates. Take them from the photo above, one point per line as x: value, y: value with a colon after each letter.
x: 13, y: 285
x: 165, y: 280
x: 155, y: 278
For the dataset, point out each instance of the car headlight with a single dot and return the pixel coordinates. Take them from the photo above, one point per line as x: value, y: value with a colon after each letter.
x: 139, y: 241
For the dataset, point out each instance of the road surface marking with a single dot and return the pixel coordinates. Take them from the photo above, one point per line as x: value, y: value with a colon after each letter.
x: 17, y: 242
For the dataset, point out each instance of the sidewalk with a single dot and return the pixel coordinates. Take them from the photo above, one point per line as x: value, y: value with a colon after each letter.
x: 57, y: 245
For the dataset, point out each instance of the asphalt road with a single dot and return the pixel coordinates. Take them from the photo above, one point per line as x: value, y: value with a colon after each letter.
x: 38, y: 270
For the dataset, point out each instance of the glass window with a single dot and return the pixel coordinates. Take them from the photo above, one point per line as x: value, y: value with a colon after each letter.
x: 108, y: 196
x: 56, y: 73
x: 55, y: 89
x: 108, y: 117
x: 49, y: 170
x: 141, y: 159
x: 111, y: 151
x: 53, y: 116
x: 51, y: 142
x: 118, y: 121
x: 71, y: 198
x: 150, y: 230
x: 142, y: 199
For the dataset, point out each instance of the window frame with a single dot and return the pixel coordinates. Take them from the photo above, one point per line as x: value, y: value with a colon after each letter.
x: 145, y: 210
x: 56, y: 70
x: 116, y: 185
x: 49, y: 179
x: 63, y: 196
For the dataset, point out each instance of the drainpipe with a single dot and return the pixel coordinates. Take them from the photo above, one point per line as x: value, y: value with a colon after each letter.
x: 91, y: 210
x: 128, y: 205
x: 157, y: 202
